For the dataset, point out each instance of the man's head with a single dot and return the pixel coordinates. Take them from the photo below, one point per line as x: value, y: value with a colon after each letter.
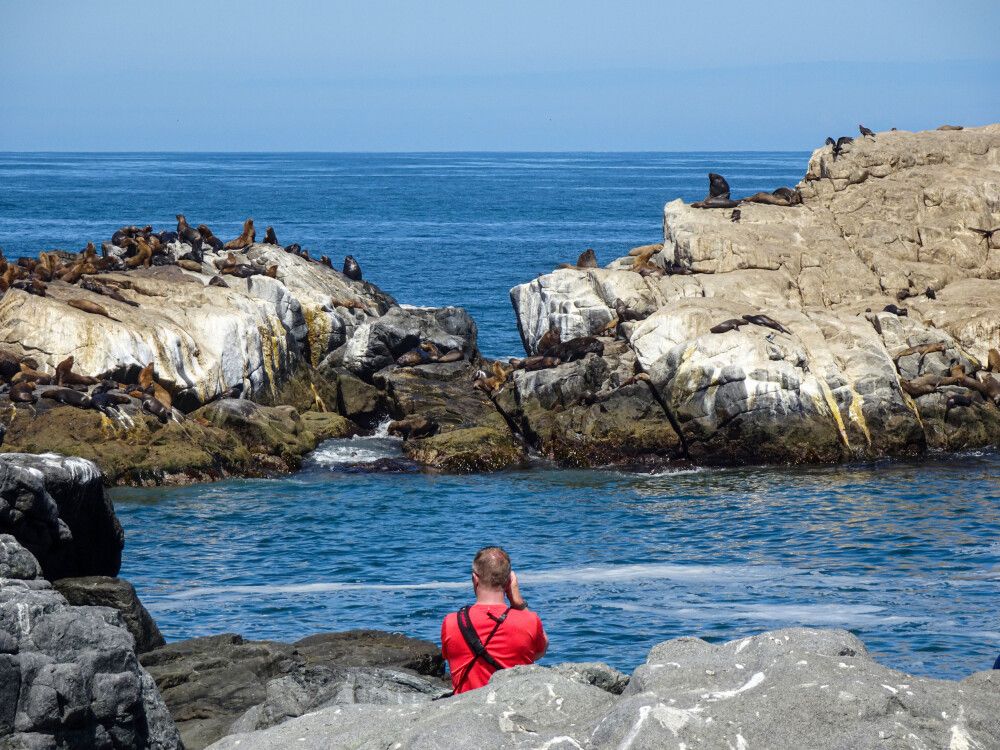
x: 491, y: 568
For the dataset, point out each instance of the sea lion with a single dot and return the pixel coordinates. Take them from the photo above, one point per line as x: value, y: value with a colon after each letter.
x: 865, y: 132
x: 549, y: 340
x: 929, y: 293
x: 157, y: 408
x: 245, y: 239
x: 97, y: 288
x: 23, y: 392
x: 577, y: 348
x: 937, y: 346
x: 991, y: 388
x: 270, y: 238
x: 767, y: 322
x: 901, y: 312
x: 728, y: 325
x: 189, y: 265
x: 68, y: 396
x: 147, y: 382
x: 735, y: 216
x: 625, y: 313
x: 66, y: 376
x: 31, y: 373
x: 188, y: 234
x: 351, y: 268
x: 716, y: 203
x: 241, y: 271
x: 413, y: 358
x: 920, y: 386
x: 167, y: 237
x: 452, y: 355
x: 325, y: 260
x: 217, y: 281
x: 993, y: 360
x: 587, y: 259
x: 951, y: 127
x: 413, y: 427
x: 717, y: 186
x: 957, y: 400
x: 90, y: 307
x: 294, y: 248
x: 107, y: 399
x: 208, y: 238
x: 143, y: 254
x: 36, y: 287
x: 539, y: 363
x: 10, y: 365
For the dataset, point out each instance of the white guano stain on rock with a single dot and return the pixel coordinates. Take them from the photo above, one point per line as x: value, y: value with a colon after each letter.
x: 721, y: 695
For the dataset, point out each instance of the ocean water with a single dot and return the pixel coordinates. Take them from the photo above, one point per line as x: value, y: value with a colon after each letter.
x: 430, y: 229
x: 905, y: 554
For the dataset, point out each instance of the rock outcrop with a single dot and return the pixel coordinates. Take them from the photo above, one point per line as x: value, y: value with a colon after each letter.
x: 889, y: 222
x: 210, y: 683
x: 68, y: 675
x: 119, y: 595
x: 789, y: 688
x: 56, y: 508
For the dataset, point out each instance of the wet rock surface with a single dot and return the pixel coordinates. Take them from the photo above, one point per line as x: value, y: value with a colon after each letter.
x: 788, y: 688
x: 69, y: 676
x: 209, y: 683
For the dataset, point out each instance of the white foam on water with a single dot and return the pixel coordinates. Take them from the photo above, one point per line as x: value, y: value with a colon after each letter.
x: 595, y: 574
x: 363, y: 449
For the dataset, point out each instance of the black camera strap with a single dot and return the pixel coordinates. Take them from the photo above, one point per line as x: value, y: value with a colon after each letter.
x: 476, y: 646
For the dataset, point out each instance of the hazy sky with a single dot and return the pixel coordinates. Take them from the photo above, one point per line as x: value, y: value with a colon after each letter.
x: 407, y: 76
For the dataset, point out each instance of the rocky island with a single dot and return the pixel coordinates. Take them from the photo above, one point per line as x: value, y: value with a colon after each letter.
x: 851, y: 318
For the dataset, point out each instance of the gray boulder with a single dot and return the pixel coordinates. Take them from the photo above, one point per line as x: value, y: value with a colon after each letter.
x: 795, y: 688
x: 69, y: 676
x: 118, y: 594
x: 377, y: 343
x: 56, y: 508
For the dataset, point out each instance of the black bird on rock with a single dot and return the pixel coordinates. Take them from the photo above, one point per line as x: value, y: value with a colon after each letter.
x: 865, y: 132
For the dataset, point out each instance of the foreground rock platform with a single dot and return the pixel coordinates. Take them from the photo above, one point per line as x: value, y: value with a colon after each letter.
x: 784, y: 689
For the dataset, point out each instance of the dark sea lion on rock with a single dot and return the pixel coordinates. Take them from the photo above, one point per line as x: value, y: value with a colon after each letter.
x: 452, y: 355
x: 143, y: 254
x: 217, y: 281
x: 929, y: 293
x: 716, y: 203
x: 413, y: 427
x: 245, y: 239
x: 208, y: 238
x: 577, y: 348
x: 147, y: 381
x: 587, y: 259
x: 36, y: 287
x: 90, y: 307
x: 539, y: 363
x: 294, y: 248
x: 901, y: 312
x: 167, y: 237
x: 10, y: 365
x: 157, y: 408
x: 351, y: 268
x: 735, y: 216
x: 728, y: 325
x: 66, y: 376
x: 23, y: 392
x: 325, y: 260
x: 625, y: 313
x: 718, y: 187
x: 188, y: 234
x: 68, y: 396
x: 105, y: 400
x: 550, y: 339
x: 30, y: 373
x: 956, y: 401
x: 793, y: 196
x: 991, y: 388
x: 413, y: 358
x: 951, y: 127
x: 270, y: 238
x: 767, y: 322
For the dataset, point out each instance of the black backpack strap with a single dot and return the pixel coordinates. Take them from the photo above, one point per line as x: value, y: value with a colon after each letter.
x: 476, y: 646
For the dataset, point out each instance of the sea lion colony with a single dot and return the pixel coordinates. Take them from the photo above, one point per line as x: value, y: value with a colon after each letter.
x: 131, y: 248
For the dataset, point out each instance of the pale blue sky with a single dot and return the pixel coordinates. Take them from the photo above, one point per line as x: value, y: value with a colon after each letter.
x: 398, y: 76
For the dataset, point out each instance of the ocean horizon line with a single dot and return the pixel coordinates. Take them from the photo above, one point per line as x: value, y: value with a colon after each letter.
x: 398, y: 153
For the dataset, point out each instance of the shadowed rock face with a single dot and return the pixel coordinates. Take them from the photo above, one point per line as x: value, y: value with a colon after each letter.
x: 56, y: 507
x: 118, y: 594
x: 887, y: 220
x: 68, y: 675
x: 209, y: 683
x: 785, y: 689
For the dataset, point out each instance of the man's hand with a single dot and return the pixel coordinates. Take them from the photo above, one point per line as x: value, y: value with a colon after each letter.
x: 514, y: 593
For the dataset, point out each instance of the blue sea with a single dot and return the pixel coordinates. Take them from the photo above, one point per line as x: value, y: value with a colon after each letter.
x: 905, y: 554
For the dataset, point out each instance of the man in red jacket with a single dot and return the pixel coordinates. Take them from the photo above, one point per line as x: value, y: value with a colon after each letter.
x: 490, y: 635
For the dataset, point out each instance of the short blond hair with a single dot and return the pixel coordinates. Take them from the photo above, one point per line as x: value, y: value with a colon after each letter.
x: 492, y: 565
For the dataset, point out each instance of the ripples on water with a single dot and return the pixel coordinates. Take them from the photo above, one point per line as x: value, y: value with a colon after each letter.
x: 905, y: 555
x: 430, y: 229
